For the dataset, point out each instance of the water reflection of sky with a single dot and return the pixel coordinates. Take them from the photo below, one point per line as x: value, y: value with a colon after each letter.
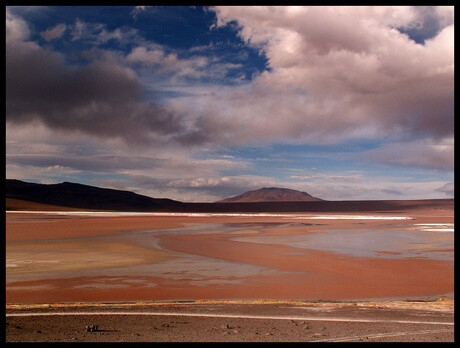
x: 418, y: 242
x: 431, y: 241
x: 186, y: 228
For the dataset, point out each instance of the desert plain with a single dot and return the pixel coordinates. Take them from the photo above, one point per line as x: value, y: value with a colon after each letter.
x: 80, y: 260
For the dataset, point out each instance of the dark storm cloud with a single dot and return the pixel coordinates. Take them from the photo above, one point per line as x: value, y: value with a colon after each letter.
x: 101, y: 98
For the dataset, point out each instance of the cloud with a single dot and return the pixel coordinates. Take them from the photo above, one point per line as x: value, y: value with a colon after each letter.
x: 179, y: 66
x: 425, y: 154
x: 95, y: 163
x: 428, y: 22
x: 328, y: 177
x: 98, y: 156
x: 102, y: 98
x: 98, y: 34
x: 34, y: 152
x: 137, y: 11
x: 392, y: 192
x: 168, y: 63
x: 448, y: 189
x: 372, y: 189
x: 336, y: 73
x: 16, y: 28
x: 201, y: 189
x: 54, y: 33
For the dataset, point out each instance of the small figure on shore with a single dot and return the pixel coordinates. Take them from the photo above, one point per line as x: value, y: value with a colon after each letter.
x: 91, y: 328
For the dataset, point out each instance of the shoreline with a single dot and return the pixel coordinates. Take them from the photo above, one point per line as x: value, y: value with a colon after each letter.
x: 440, y: 302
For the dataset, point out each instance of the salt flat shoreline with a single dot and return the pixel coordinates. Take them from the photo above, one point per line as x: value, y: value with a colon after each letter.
x: 287, y: 215
x: 442, y: 303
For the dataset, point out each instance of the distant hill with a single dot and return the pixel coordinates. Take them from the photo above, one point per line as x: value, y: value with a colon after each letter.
x: 73, y: 195
x: 272, y: 194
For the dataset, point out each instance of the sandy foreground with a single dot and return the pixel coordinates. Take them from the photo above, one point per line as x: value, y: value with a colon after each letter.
x: 168, y: 263
x: 234, y: 321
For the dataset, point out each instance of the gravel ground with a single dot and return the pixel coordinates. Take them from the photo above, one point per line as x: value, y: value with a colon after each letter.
x: 282, y: 321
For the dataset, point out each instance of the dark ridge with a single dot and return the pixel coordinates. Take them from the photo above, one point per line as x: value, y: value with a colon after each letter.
x: 73, y: 195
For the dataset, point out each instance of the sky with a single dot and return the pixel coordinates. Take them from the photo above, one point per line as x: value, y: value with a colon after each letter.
x: 199, y: 104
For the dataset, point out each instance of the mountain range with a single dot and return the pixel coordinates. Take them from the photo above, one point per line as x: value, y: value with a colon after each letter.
x: 22, y: 195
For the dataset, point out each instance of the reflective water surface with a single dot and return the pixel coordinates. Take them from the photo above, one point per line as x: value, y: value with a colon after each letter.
x: 142, y: 259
